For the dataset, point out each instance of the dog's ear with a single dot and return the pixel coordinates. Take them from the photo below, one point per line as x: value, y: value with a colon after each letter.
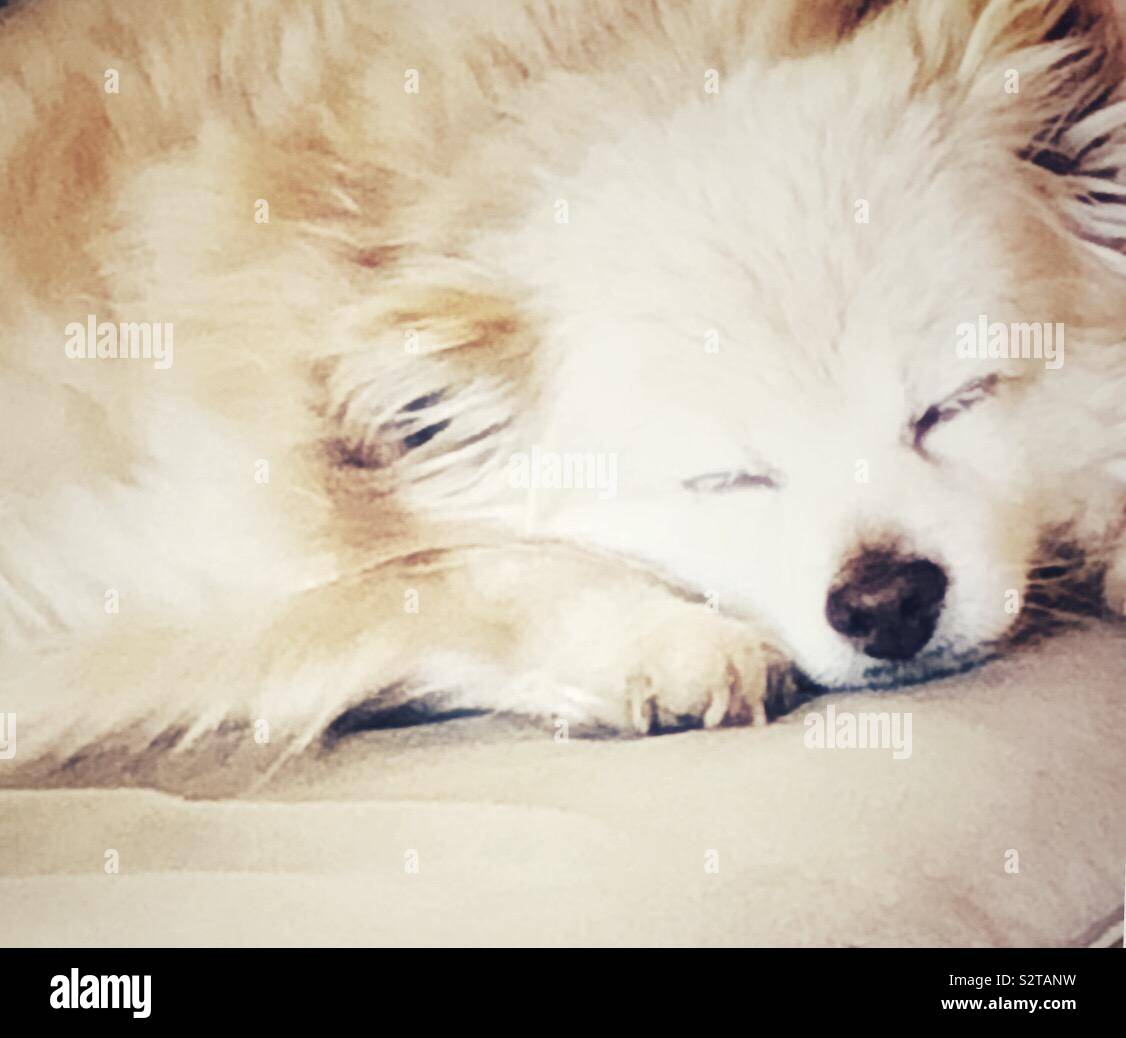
x: 1044, y: 77
x: 425, y: 393
x: 1050, y: 64
x: 963, y: 38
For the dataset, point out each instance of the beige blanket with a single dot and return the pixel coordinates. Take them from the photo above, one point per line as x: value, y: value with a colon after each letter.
x: 1005, y: 826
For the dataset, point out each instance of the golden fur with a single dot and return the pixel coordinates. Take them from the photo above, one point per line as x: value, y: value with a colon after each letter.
x: 360, y: 316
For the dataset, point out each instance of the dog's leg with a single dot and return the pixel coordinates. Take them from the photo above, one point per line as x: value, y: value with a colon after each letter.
x: 593, y: 642
x: 541, y: 630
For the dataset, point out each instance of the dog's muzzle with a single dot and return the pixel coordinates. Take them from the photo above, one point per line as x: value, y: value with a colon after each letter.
x: 886, y: 604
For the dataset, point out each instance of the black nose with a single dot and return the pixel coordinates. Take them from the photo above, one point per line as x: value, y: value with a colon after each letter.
x: 887, y: 605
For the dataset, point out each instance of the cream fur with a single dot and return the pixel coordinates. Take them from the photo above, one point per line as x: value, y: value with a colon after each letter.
x: 412, y: 275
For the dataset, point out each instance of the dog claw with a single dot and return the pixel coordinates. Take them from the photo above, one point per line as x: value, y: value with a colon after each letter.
x: 642, y: 705
x: 717, y: 709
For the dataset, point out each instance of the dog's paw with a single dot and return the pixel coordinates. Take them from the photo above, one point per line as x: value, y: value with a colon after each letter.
x: 655, y: 666
x: 696, y: 668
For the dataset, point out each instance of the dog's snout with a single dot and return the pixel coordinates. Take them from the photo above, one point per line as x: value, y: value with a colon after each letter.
x: 886, y: 604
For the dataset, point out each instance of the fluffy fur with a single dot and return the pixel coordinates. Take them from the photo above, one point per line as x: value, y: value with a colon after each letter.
x: 415, y: 313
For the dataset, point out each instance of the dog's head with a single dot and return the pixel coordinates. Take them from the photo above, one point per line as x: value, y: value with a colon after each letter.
x: 834, y: 344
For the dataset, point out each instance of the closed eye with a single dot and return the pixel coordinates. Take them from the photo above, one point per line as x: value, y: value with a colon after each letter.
x: 958, y: 402
x: 726, y: 482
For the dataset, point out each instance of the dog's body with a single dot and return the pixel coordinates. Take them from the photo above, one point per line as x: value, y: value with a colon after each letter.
x: 401, y: 247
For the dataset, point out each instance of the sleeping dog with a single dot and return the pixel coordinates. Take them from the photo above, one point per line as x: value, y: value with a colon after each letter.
x: 587, y: 360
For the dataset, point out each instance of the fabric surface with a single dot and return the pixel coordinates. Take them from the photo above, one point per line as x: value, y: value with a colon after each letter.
x: 735, y: 837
